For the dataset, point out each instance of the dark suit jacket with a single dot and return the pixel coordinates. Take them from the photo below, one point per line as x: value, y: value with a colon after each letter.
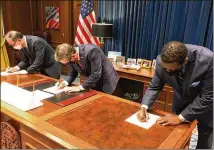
x: 195, y: 99
x: 96, y: 66
x: 39, y: 56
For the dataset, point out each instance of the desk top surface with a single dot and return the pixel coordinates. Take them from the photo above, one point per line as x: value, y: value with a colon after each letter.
x: 95, y: 122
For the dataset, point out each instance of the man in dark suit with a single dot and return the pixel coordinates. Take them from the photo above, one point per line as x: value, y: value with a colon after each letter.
x: 37, y: 55
x: 90, y: 61
x: 189, y: 70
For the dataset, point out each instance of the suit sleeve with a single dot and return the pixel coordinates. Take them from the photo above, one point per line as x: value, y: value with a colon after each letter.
x: 96, y: 69
x: 72, y: 75
x: 40, y: 53
x: 204, y: 101
x: 24, y: 63
x: 156, y: 85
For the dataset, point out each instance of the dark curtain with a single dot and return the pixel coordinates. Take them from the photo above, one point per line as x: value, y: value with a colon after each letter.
x: 141, y: 28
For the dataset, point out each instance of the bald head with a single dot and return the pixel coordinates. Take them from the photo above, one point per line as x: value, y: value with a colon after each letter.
x: 13, y: 35
x: 15, y: 39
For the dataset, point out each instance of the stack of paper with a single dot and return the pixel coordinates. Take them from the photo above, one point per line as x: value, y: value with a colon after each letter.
x: 135, y: 67
x: 5, y: 73
x: 21, y: 98
x: 54, y: 90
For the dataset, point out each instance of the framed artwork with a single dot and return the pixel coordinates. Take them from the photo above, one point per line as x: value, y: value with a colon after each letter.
x: 139, y: 61
x: 120, y: 60
x: 154, y: 63
x: 146, y: 63
x: 113, y: 54
x: 131, y: 61
x: 52, y: 17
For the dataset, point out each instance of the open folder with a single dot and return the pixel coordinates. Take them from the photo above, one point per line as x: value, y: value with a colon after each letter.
x: 22, y: 99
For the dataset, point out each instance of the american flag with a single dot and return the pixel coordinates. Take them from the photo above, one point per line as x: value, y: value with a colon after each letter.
x: 84, y: 27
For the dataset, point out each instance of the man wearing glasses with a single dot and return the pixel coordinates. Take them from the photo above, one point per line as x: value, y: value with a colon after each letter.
x: 37, y: 55
x: 188, y: 69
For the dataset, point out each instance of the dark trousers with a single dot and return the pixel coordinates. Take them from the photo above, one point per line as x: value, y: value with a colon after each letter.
x: 205, y: 137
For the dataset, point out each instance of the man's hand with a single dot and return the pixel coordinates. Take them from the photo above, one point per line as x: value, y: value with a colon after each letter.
x: 12, y: 69
x: 61, y: 84
x: 143, y: 115
x: 22, y: 72
x: 72, y: 89
x: 169, y: 120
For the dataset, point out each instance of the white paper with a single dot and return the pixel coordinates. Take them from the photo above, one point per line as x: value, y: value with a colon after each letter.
x: 40, y: 95
x: 54, y: 90
x: 152, y: 120
x: 21, y: 98
x: 5, y: 73
x: 136, y: 67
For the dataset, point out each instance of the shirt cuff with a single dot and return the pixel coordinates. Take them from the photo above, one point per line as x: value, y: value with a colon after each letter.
x: 17, y: 68
x: 81, y: 88
x: 144, y: 106
x: 65, y: 82
x: 182, y: 118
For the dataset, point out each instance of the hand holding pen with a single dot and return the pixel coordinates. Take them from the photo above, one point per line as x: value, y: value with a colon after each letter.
x: 60, y: 84
x: 12, y: 69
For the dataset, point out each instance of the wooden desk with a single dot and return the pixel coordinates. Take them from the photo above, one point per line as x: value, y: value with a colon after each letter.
x: 165, y: 98
x: 96, y: 122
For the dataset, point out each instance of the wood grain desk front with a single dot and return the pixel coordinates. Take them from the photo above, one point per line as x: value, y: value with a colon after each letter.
x: 96, y: 122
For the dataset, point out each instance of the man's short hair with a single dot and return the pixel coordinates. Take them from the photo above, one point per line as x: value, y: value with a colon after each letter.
x: 14, y: 35
x: 64, y: 51
x: 174, y: 52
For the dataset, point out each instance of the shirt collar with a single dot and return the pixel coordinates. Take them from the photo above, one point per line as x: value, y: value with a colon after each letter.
x: 77, y: 50
x: 24, y: 37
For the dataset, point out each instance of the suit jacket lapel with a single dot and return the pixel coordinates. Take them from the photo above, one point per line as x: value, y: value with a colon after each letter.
x: 82, y: 57
x: 174, y: 80
x: 28, y: 40
x: 188, y: 76
x: 29, y: 47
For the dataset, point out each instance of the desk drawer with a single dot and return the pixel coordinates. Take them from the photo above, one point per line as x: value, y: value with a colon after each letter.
x: 34, y: 140
x: 30, y: 142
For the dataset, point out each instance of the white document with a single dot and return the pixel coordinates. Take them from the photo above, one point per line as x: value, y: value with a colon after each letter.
x: 40, y: 95
x: 20, y: 98
x: 54, y: 90
x: 152, y: 120
x: 5, y: 73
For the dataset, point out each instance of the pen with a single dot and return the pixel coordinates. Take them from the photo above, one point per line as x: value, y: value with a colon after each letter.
x: 60, y: 81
